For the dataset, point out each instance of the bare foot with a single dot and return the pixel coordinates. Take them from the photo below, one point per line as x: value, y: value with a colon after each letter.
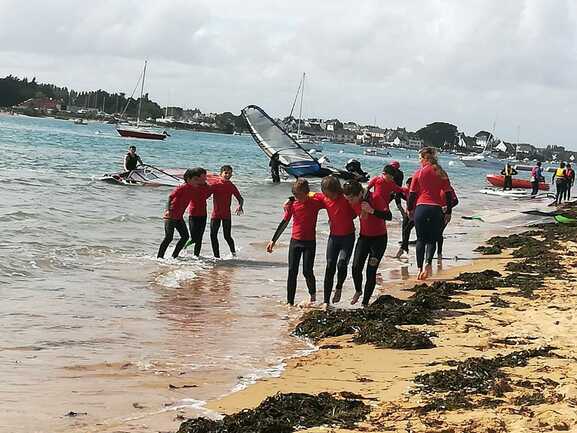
x: 399, y: 253
x: 337, y: 296
x: 325, y: 307
x: 313, y: 299
x: 427, y: 272
x: 356, y: 297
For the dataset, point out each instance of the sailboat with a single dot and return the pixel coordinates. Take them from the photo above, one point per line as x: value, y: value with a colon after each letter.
x: 306, y: 141
x: 138, y: 131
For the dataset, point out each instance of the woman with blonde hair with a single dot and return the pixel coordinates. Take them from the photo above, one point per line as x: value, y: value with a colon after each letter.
x: 430, y: 190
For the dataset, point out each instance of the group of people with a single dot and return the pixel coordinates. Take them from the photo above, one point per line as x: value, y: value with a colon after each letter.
x: 429, y: 200
x: 563, y: 178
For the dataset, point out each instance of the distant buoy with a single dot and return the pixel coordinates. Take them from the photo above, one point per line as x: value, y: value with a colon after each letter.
x: 451, y: 163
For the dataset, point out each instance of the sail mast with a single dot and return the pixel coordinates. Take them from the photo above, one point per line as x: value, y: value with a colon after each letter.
x: 141, y: 93
x: 301, y: 107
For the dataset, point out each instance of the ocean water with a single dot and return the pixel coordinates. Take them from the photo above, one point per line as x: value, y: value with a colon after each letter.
x: 92, y: 322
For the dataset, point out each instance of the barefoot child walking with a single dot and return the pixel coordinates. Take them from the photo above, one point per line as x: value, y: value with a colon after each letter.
x: 303, y: 210
x: 222, y: 192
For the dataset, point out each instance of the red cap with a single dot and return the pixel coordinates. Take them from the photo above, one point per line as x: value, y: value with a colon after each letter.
x: 395, y: 164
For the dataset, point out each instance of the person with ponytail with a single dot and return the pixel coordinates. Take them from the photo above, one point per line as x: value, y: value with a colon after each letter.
x: 428, y: 185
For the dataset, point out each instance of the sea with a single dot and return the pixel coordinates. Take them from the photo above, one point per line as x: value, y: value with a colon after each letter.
x: 94, y: 326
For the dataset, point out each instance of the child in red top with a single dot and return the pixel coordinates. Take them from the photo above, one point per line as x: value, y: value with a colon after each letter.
x: 178, y: 201
x: 372, y: 240
x: 385, y: 186
x: 430, y: 183
x: 341, y: 239
x: 303, y: 210
x: 197, y: 214
x: 222, y: 192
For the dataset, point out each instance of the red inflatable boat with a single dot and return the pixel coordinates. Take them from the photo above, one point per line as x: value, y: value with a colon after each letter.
x: 499, y: 180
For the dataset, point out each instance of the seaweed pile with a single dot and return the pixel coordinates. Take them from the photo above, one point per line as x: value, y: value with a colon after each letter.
x: 473, y: 382
x: 285, y: 413
x: 377, y: 324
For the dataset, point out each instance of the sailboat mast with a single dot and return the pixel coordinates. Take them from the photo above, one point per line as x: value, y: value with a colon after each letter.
x: 141, y: 93
x: 301, y: 107
x: 517, y: 145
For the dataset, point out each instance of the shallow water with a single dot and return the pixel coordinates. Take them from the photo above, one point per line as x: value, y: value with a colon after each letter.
x: 88, y: 314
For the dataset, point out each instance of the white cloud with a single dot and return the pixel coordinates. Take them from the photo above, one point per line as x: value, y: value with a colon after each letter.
x: 404, y: 63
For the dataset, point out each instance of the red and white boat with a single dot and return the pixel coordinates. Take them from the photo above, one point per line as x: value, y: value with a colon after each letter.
x: 138, y: 131
x: 499, y: 180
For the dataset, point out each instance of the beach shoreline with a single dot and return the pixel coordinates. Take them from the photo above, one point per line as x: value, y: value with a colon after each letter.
x: 537, y: 395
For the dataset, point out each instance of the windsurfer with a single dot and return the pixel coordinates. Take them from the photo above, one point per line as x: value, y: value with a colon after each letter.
x: 131, y: 160
x: 274, y: 165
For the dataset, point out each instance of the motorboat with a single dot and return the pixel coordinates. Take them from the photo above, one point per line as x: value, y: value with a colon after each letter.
x: 484, y: 160
x: 376, y: 151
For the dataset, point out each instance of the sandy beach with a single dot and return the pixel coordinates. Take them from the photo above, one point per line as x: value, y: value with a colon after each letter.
x: 536, y: 393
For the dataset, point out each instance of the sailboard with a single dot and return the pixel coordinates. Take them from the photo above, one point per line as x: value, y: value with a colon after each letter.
x: 274, y: 140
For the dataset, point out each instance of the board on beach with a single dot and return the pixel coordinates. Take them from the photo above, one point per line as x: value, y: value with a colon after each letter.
x: 565, y: 220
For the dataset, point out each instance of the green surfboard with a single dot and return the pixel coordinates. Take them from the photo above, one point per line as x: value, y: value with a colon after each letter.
x: 565, y: 220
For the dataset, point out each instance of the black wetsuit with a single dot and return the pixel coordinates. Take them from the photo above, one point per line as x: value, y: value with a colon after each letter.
x: 226, y: 228
x: 339, y: 251
x: 197, y: 226
x: 274, y: 165
x: 131, y: 161
x: 169, y: 226
x: 306, y: 249
x: 371, y: 248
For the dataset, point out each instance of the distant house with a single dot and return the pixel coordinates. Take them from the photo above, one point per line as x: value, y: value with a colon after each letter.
x: 415, y: 143
x: 526, y: 149
x: 351, y: 126
x: 41, y: 104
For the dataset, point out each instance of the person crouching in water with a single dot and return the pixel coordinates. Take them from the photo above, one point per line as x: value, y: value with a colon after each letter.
x: 508, y: 171
x: 427, y: 185
x: 303, y: 210
x: 222, y: 192
x: 178, y: 201
x: 372, y: 240
x: 341, y: 239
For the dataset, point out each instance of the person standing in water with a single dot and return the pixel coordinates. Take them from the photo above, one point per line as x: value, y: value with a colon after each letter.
x: 372, y: 241
x: 303, y: 210
x: 222, y: 192
x: 197, y: 214
x: 570, y: 175
x: 274, y: 165
x: 341, y: 239
x: 560, y: 180
x: 408, y: 224
x: 178, y: 201
x: 131, y: 159
x: 536, y: 178
x: 427, y: 185
x: 508, y: 171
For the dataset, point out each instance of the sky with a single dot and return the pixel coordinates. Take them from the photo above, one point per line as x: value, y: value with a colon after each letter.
x: 405, y: 63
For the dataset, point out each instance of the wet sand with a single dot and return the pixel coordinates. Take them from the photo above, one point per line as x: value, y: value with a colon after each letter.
x: 540, y: 396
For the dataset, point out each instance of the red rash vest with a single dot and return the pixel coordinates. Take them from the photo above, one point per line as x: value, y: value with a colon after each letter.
x: 304, y: 215
x: 222, y: 192
x: 429, y: 186
x: 179, y: 198
x: 341, y: 214
x: 371, y: 225
x: 384, y: 188
x: 197, y: 205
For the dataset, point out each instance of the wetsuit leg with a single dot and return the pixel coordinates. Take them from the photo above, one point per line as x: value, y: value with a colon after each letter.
x: 168, y: 236
x: 362, y: 250
x: 535, y: 188
x: 333, y: 249
x: 441, y: 239
x: 180, y: 225
x: 560, y: 188
x: 309, y: 251
x: 274, y: 173
x: 197, y: 226
x: 408, y: 225
x: 428, y: 221
x: 377, y: 247
x: 294, y: 257
x: 214, y: 228
x: 226, y: 229
x: 346, y: 251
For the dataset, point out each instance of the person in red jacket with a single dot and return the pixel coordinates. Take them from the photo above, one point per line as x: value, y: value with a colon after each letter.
x: 303, y: 210
x: 428, y: 185
x: 178, y: 201
x: 197, y: 214
x: 341, y: 239
x: 222, y: 192
x: 372, y: 241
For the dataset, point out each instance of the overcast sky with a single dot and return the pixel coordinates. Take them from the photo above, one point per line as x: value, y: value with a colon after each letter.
x: 403, y: 63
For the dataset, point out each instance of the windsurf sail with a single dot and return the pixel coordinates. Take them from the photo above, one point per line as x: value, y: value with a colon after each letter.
x: 275, y: 141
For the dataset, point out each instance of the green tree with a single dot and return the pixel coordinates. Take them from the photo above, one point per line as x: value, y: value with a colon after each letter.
x: 439, y: 134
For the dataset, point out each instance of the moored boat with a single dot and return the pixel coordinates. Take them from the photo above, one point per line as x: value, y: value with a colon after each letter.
x: 138, y: 132
x: 499, y: 180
